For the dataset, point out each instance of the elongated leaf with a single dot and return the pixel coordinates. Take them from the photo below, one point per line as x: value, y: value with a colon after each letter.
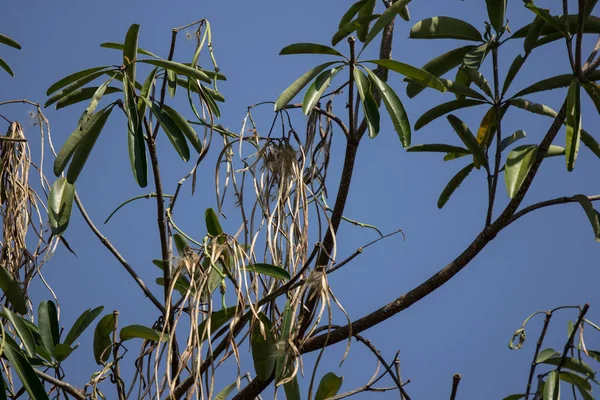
x: 514, y: 69
x: 532, y: 33
x: 439, y: 66
x: 172, y: 130
x: 555, y: 82
x: 9, y: 42
x: 102, y: 341
x: 352, y: 11
x: 515, y: 397
x: 455, y: 155
x: 184, y: 82
x: 171, y: 83
x: 74, y: 77
x: 180, y: 285
x: 213, y: 227
x: 13, y: 291
x: 5, y: 67
x: 73, y: 86
x: 60, y: 203
x: 284, y: 359
x: 136, y: 144
x: 456, y: 88
x: 547, y: 17
x: 462, y: 78
x: 591, y: 213
x: 329, y: 386
x: 420, y: 75
x: 485, y: 128
x: 518, y: 164
x: 465, y: 134
x: 62, y: 351
x: 181, y: 243
x: 185, y: 127
x: 263, y: 347
x: 496, y: 12
x: 454, y: 183
x: 593, y: 90
x: 91, y: 108
x: 25, y: 372
x: 507, y: 141
x: 387, y: 17
x: 444, y: 109
x: 140, y: 332
x: 555, y: 151
x: 130, y: 51
x: 394, y: 108
x: 478, y: 79
x: 288, y: 94
x: 437, y: 148
x: 292, y: 389
x: 82, y: 94
x: 120, y: 46
x: 225, y: 392
x: 576, y: 380
x: 370, y: 108
x: 535, y: 108
x: 48, y: 323
x: 179, y: 68
x: 352, y: 26
x: 365, y: 11
x: 572, y: 364
x: 22, y: 331
x: 268, y: 269
x: 546, y: 354
x: 552, y: 387
x: 217, y: 320
x: 474, y: 58
x: 591, y: 25
x: 316, y: 90
x: 309, y: 48
x: 86, y: 144
x: 445, y: 28
x: 81, y: 324
x: 573, y: 124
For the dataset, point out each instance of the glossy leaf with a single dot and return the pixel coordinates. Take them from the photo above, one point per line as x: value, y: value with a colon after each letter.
x: 591, y: 213
x: 62, y: 351
x: 552, y: 387
x: 547, y: 17
x: 417, y: 74
x: 351, y: 13
x: 5, y: 67
x: 81, y: 324
x: 73, y: 86
x: 90, y: 134
x: 496, y: 12
x: 573, y: 121
x: 329, y: 386
x: 9, y: 42
x: 386, y: 17
x: 213, y: 227
x: 316, y: 89
x: 437, y: 148
x: 172, y: 130
x: 444, y: 109
x: 454, y: 183
x: 179, y: 68
x: 369, y: 105
x: 555, y: 151
x: 456, y: 88
x: 25, y: 372
x: 120, y: 46
x: 507, y: 141
x: 439, y: 66
x: 465, y: 134
x: 268, y: 269
x: 60, y: 203
x: 445, y: 28
x: 22, y: 331
x: 574, y: 379
x: 454, y: 156
x: 12, y: 290
x: 185, y: 127
x: 309, y: 48
x: 263, y: 347
x: 365, y: 11
x: 352, y: 26
x: 546, y: 354
x: 74, y: 77
x: 140, y: 332
x: 83, y: 94
x: 555, y: 82
x: 518, y: 164
x: 130, y: 47
x: 394, y: 108
x: 532, y: 33
x: 288, y: 94
x: 225, y: 392
x: 48, y: 323
x: 102, y: 340
x: 292, y: 389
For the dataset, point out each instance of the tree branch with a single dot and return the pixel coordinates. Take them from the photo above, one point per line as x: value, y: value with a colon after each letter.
x: 77, y: 393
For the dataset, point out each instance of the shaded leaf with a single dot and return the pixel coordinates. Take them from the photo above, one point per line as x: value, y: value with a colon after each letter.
x: 263, y: 347
x: 60, y: 203
x: 445, y: 28
x: 181, y: 285
x: 5, y: 67
x: 136, y: 144
x: 474, y: 58
x: 217, y: 320
x: 593, y: 90
x: 454, y: 183
x: 179, y: 68
x: 284, y: 358
x: 352, y: 11
x: 268, y: 269
x: 437, y: 148
x: 102, y: 341
x: 496, y: 12
x: 213, y: 227
x: 74, y: 77
x: 25, y: 372
x: 288, y: 94
x: 365, y: 11
x: 73, y: 86
x: 13, y: 292
x: 83, y: 94
x: 465, y: 134
x: 454, y: 156
x: 532, y: 33
x: 573, y: 121
x: 292, y: 389
x: 591, y: 213
x: 352, y: 26
x: 386, y: 17
x: 555, y: 82
x: 329, y: 386
x: 48, y: 323
x: 572, y: 364
x: 514, y: 69
x: 316, y: 90
x: 120, y: 46
x: 444, y: 109
x: 140, y: 332
x: 518, y: 164
x: 172, y: 130
x: 546, y: 354
x: 81, y: 324
x: 309, y: 48
x: 507, y: 141
x: 515, y: 397
x: 9, y: 42
x: 181, y: 243
x: 185, y: 127
x: 485, y: 128
x: 22, y: 331
x: 456, y: 88
x: 547, y: 17
x: 223, y: 394
x: 62, y: 351
x: 130, y: 48
x: 420, y: 75
x: 478, y: 79
x: 369, y: 105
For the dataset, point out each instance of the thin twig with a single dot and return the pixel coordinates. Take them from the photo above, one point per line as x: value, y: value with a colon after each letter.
x: 327, y: 114
x: 547, y: 203
x: 537, y: 351
x: 77, y: 393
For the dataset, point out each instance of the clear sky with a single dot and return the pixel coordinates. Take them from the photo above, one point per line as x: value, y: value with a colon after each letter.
x: 544, y: 260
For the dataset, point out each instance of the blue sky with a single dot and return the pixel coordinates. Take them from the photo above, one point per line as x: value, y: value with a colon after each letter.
x: 544, y: 260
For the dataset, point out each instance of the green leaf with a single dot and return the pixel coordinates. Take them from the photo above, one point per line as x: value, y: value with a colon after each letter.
x: 217, y: 320
x: 445, y: 28
x: 352, y: 26
x: 60, y: 203
x: 136, y: 145
x: 172, y: 130
x: 593, y: 90
x: 532, y: 33
x: 535, y: 108
x: 444, y: 109
x: 3, y: 388
x: 181, y: 243
x: 591, y: 213
x: 547, y: 17
x: 465, y: 134
x: 316, y: 90
x: 171, y: 83
x: 184, y: 82
x: 486, y: 127
x: 329, y: 386
x: 514, y: 397
x: 74, y: 85
x: 140, y: 332
x: 223, y: 394
x: 573, y: 120
x: 268, y: 269
x: 555, y: 82
x: 284, y: 359
x: 9, y: 42
x: 309, y: 48
x: 474, y: 58
x: 91, y: 108
x: 456, y: 88
x: 554, y: 151
x: 181, y: 285
x: 82, y: 94
x: 576, y: 380
x: 130, y: 51
x: 288, y: 94
x: 22, y: 331
x: 518, y: 164
x: 405, y: 14
x: 454, y: 156
x: 48, y: 323
x: 5, y: 67
x: 420, y: 75
x: 369, y: 104
x: 437, y: 148
x: 102, y: 341
x: 292, y: 389
x: 365, y: 11
x: 439, y: 66
x: 507, y: 141
x: 454, y: 183
x: 25, y: 372
x: 90, y: 134
x: 552, y: 387
x: 179, y: 68
x: 478, y: 79
x: 62, y: 351
x: 213, y: 227
x: 263, y: 347
x: 185, y: 127
x: 12, y: 290
x: 81, y: 324
x: 348, y: 15
x: 496, y: 12
x: 386, y: 17
x: 514, y: 69
x: 120, y: 46
x: 546, y: 354
x: 74, y: 77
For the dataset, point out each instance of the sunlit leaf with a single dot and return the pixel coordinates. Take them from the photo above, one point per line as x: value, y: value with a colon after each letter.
x: 573, y: 364
x: 130, y: 48
x: 172, y: 130
x: 317, y: 88
x: 102, y: 341
x: 552, y: 387
x: 518, y: 164
x: 445, y: 28
x: 329, y: 386
x: 454, y: 183
x: 582, y: 384
x: 485, y: 128
x: 573, y: 121
x: 420, y: 75
x: 81, y: 324
x: 507, y: 141
x: 136, y: 144
x: 22, y: 332
x: 309, y: 48
x: 185, y: 127
x: 478, y: 79
x: 365, y: 11
x: 74, y: 77
x: 456, y: 88
x: 48, y: 323
x: 352, y: 26
x: 474, y: 58
x: 532, y: 33
x: 444, y: 109
x: 352, y: 11
x: 547, y: 17
x: 370, y: 109
x: 73, y: 85
x: 60, y: 203
x: 225, y: 392
x: 288, y: 94
x: 591, y: 213
x: 268, y: 269
x: 263, y: 347
x: 465, y: 134
x: 386, y: 17
x: 179, y: 68
x: 140, y: 332
x: 82, y: 94
x: 546, y: 354
x: 213, y: 227
x: 555, y: 82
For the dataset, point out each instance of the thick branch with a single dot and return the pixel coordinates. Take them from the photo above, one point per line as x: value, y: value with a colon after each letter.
x: 77, y: 393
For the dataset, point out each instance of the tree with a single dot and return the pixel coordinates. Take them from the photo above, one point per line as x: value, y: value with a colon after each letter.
x: 266, y: 281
